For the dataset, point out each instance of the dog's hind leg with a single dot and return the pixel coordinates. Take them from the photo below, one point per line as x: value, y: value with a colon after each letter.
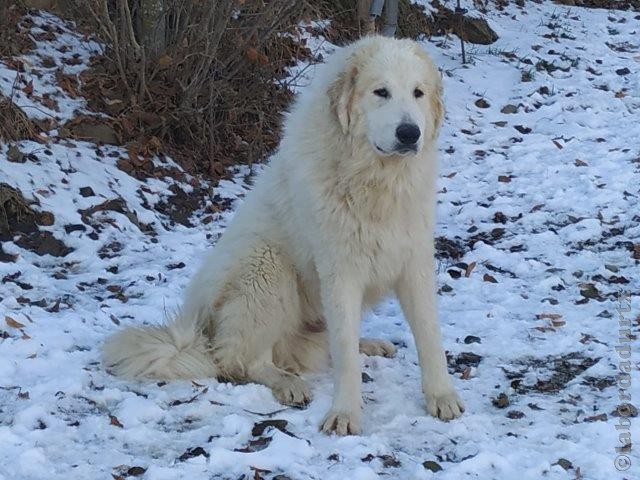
x: 260, y: 308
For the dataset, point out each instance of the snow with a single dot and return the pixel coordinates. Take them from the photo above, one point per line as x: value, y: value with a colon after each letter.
x: 567, y: 224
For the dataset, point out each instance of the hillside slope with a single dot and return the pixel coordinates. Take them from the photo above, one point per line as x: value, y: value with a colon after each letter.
x: 539, y: 241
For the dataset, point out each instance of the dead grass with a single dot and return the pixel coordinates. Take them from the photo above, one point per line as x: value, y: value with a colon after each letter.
x: 14, y: 123
x: 14, y: 40
x: 13, y: 208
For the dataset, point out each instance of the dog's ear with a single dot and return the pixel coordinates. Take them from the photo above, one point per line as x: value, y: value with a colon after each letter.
x: 437, y: 105
x: 436, y: 102
x: 341, y: 96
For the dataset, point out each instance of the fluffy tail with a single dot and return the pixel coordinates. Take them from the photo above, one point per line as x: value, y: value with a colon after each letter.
x: 178, y: 349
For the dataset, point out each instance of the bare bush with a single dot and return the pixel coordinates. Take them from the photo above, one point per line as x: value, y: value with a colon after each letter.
x: 197, y: 74
x: 205, y: 77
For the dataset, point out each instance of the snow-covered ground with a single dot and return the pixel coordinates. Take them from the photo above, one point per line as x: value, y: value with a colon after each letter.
x: 540, y: 204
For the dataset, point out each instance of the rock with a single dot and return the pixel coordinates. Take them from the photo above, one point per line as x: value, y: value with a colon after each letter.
x: 564, y: 463
x: 192, y: 453
x: 471, y: 339
x: 389, y: 461
x: 589, y: 290
x: 431, y: 465
x: 15, y: 155
x: 74, y: 228
x: 259, y: 427
x: 477, y: 30
x: 87, y: 192
x: 623, y: 71
x: 6, y: 257
x: 509, y: 109
x: 136, y: 471
x: 482, y: 103
x: 515, y: 414
x: 46, y: 219
x: 92, y: 130
x: 43, y: 243
x: 470, y: 29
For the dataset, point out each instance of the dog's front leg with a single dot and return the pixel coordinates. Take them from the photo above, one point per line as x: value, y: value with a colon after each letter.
x: 416, y: 292
x: 342, y: 304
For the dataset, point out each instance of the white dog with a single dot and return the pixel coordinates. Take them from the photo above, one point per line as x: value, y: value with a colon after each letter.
x: 343, y: 215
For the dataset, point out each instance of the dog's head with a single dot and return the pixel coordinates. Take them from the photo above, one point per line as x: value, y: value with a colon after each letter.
x: 390, y: 93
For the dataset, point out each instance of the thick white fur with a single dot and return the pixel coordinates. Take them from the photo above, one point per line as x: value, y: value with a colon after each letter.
x: 336, y: 221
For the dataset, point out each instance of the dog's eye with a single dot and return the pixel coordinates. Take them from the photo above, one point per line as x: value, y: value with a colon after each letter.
x: 381, y: 92
x: 418, y: 93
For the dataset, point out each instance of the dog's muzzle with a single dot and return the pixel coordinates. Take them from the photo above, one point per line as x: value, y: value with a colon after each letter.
x: 407, y: 136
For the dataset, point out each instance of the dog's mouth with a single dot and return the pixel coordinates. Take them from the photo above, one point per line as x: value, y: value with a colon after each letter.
x: 406, y: 149
x: 398, y: 150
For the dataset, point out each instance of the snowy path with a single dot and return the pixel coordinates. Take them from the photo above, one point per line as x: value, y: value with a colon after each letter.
x: 538, y: 221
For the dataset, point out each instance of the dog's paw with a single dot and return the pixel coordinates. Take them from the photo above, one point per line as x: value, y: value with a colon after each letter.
x: 445, y: 406
x: 341, y: 423
x: 377, y: 347
x: 293, y: 391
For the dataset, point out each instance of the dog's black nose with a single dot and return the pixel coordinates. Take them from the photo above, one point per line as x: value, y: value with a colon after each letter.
x: 407, y: 133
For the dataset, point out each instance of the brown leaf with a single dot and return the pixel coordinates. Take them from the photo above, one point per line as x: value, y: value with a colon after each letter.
x: 28, y: 88
x: 469, y: 269
x: 537, y: 207
x: 557, y: 144
x: 489, y: 278
x: 555, y: 318
x: 466, y: 373
x: 165, y: 61
x: 504, y: 178
x: 12, y: 323
x: 545, y: 329
x: 252, y: 54
x: 67, y: 83
x: 580, y: 163
x: 115, y: 422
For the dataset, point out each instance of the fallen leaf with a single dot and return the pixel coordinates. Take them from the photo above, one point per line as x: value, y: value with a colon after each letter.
x: 12, y: 323
x: 501, y: 401
x: 469, y: 269
x: 537, y: 207
x: 165, y: 61
x: 252, y: 54
x: 28, y: 88
x: 489, y: 278
x: 115, y: 422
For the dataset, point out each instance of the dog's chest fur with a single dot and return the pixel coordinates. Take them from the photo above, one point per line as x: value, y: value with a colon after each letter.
x: 379, y: 223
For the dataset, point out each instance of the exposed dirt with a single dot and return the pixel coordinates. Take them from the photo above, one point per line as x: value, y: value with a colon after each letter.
x: 19, y: 219
x: 555, y: 373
